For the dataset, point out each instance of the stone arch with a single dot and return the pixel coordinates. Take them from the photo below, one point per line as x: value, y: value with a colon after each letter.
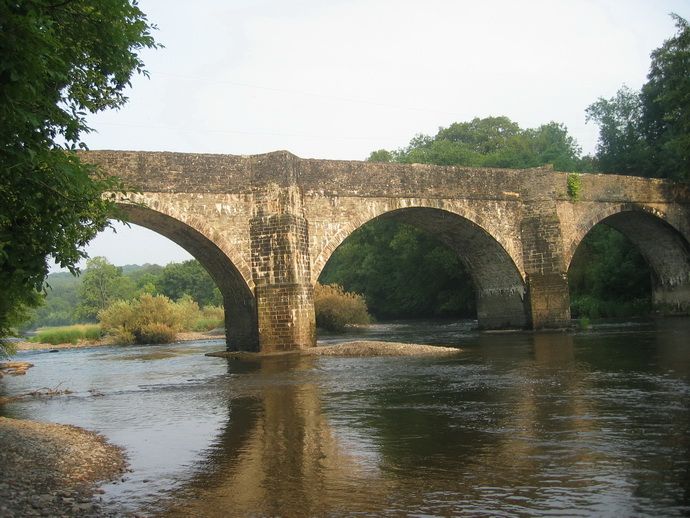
x: 663, y: 246
x: 239, y: 301
x: 499, y: 284
x: 375, y: 210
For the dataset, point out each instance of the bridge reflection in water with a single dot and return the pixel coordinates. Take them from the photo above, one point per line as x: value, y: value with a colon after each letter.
x: 279, y: 455
x: 518, y: 424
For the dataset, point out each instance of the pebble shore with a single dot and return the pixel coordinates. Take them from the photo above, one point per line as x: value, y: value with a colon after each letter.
x: 376, y: 348
x: 49, y: 469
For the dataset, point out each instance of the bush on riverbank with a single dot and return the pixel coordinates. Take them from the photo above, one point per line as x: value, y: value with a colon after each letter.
x: 68, y: 334
x: 212, y: 317
x: 335, y: 308
x: 149, y: 319
x: 593, y: 307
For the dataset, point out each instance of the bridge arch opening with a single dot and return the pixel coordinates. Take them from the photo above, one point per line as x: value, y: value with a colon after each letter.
x: 481, y: 279
x: 630, y: 263
x: 238, y: 300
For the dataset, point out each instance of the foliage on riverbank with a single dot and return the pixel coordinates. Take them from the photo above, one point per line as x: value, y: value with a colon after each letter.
x: 212, y: 317
x: 402, y: 272
x: 336, y: 309
x: 149, y: 319
x: 67, y: 334
x: 72, y: 300
x: 609, y: 277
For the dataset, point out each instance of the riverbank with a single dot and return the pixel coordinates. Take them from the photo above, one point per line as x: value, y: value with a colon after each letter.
x: 53, y: 470
x: 187, y: 336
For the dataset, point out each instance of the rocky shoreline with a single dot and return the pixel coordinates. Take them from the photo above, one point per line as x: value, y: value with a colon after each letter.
x: 53, y: 470
x: 187, y: 336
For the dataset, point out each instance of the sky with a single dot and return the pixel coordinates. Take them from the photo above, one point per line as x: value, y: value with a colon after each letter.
x: 338, y: 79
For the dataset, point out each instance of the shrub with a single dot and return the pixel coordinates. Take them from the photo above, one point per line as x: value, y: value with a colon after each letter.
x: 186, y: 312
x: 211, y: 317
x: 148, y: 319
x: 337, y: 309
x: 574, y: 182
x: 155, y: 334
x: 68, y: 334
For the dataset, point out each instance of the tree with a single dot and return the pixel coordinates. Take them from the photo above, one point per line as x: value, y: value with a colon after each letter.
x: 383, y: 261
x: 648, y: 132
x: 59, y: 61
x: 608, y: 276
x: 622, y: 147
x: 191, y: 279
x: 102, y: 284
x: 491, y: 142
x: 666, y: 102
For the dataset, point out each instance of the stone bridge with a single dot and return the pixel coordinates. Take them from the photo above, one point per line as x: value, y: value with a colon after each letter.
x: 264, y: 227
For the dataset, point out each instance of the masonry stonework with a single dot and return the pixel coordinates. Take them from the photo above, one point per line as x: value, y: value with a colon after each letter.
x: 264, y: 227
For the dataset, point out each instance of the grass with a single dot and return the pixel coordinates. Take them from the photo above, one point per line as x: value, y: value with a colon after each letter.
x: 207, y: 324
x: 67, y: 334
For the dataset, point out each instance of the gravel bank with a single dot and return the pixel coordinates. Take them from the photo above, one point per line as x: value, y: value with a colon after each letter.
x: 51, y: 470
x: 187, y: 336
x: 373, y: 348
x: 359, y: 348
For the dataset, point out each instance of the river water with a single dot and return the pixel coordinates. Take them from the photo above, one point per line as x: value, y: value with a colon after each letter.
x: 518, y: 424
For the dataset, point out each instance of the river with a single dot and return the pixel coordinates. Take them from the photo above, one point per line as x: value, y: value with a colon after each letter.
x: 588, y: 423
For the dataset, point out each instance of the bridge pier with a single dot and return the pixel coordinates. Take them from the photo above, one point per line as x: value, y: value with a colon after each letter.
x: 671, y: 299
x: 501, y: 308
x: 544, y: 261
x: 282, y: 271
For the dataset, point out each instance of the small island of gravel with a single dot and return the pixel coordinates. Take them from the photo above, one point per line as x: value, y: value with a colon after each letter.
x: 359, y: 348
x: 377, y: 348
x: 52, y: 470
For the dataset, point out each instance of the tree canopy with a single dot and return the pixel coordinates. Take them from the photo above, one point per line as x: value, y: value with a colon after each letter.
x: 191, y: 279
x: 59, y: 61
x: 491, y: 142
x: 101, y: 284
x: 647, y: 133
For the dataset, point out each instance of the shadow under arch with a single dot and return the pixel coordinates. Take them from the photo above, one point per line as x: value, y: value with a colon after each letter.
x: 241, y: 328
x: 499, y: 287
x: 664, y: 248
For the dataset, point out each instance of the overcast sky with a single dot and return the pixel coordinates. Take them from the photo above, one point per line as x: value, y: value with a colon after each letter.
x: 338, y: 79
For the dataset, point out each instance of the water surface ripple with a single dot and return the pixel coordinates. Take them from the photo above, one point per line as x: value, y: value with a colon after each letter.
x: 518, y: 424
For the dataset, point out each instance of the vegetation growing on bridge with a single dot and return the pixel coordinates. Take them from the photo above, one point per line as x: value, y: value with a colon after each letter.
x: 404, y: 273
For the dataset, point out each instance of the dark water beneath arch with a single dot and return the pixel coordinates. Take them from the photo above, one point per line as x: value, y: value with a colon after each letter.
x: 519, y: 424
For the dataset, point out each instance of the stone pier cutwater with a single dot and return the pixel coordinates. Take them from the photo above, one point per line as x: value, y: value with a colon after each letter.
x: 264, y: 227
